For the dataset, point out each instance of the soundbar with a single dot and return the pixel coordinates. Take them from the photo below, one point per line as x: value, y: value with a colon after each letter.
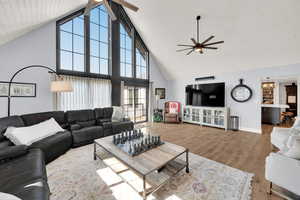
x: 205, y: 78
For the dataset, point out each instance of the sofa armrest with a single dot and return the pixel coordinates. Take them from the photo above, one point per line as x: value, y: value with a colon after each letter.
x: 101, y: 122
x: 74, y: 127
x: 12, y: 152
x: 126, y: 119
x: 283, y: 171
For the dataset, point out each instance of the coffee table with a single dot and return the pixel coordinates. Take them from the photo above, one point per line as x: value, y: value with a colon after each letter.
x: 155, y: 167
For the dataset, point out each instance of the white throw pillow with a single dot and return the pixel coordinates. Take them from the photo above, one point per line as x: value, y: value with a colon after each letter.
x: 296, y: 124
x: 294, y: 151
x: 291, y: 140
x: 6, y: 196
x: 31, y: 134
x: 118, y: 114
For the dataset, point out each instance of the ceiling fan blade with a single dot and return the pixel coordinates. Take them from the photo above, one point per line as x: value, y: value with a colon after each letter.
x: 190, y: 52
x: 127, y: 5
x: 110, y: 11
x: 208, y: 39
x: 184, y: 45
x: 209, y: 47
x: 194, y: 41
x: 184, y: 49
x: 220, y: 42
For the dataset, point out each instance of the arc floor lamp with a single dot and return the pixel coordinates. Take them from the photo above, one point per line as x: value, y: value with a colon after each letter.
x: 56, y: 86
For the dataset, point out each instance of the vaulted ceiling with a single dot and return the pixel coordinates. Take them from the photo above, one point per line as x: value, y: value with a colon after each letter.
x: 257, y: 33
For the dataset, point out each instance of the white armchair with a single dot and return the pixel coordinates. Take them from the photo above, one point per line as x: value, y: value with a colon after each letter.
x: 279, y: 137
x: 284, y: 172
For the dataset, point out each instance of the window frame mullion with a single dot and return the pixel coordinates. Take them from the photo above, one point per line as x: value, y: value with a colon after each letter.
x: 87, y: 44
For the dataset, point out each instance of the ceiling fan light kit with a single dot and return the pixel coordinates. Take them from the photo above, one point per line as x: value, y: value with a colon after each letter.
x: 94, y: 3
x: 197, y: 46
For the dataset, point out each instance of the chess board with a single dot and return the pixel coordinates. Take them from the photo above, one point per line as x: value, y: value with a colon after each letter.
x: 136, y: 142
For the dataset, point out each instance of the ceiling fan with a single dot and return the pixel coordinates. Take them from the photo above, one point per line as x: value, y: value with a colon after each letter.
x: 197, y: 46
x: 93, y: 3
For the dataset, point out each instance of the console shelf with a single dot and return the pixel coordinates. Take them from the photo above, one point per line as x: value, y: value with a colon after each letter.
x: 208, y: 116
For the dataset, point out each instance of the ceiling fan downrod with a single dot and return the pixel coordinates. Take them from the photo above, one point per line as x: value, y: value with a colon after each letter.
x: 198, y: 19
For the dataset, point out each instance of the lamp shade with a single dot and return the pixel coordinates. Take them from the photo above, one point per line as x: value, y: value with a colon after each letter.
x: 61, y: 86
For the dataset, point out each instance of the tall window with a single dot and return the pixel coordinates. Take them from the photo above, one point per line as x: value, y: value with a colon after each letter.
x: 72, y: 45
x: 125, y: 53
x: 95, y: 47
x: 99, y: 41
x: 141, y: 62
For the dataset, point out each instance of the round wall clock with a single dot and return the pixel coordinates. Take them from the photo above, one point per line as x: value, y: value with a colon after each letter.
x: 241, y: 93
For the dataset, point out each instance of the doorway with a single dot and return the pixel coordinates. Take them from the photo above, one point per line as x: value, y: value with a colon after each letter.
x: 135, y: 103
x: 279, y: 101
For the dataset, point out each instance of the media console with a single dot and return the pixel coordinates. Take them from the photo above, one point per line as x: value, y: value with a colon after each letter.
x: 208, y: 116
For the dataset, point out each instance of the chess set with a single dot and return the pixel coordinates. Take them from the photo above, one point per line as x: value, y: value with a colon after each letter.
x: 136, y: 142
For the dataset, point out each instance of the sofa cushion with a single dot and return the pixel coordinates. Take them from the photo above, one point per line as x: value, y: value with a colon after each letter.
x: 103, y: 114
x: 35, y: 118
x: 80, y: 116
x: 55, y: 145
x: 86, y: 123
x: 6, y: 122
x: 86, y: 135
x: 5, y: 144
x: 12, y: 152
x: 22, y: 171
x: 118, y: 127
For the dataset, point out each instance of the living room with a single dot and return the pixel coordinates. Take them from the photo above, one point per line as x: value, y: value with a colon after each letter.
x: 135, y: 99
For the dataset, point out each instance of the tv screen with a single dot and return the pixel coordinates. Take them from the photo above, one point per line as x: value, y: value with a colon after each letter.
x: 212, y: 95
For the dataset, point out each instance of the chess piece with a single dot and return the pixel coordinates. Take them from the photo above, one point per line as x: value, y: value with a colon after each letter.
x: 130, y: 148
x: 114, y: 139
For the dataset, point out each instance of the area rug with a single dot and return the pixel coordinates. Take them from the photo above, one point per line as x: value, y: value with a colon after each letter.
x: 74, y: 176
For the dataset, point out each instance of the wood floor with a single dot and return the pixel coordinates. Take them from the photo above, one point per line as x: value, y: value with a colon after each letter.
x: 242, y: 150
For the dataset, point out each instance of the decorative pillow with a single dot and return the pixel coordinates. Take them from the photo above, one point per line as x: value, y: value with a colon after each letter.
x: 296, y: 124
x: 291, y: 140
x: 6, y: 196
x: 118, y: 114
x: 31, y: 134
x: 294, y: 151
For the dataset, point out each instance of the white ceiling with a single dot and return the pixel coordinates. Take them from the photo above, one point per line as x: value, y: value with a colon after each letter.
x: 18, y: 17
x: 257, y: 33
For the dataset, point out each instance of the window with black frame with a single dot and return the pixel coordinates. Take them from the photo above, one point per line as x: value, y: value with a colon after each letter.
x: 126, y: 69
x: 72, y: 37
x: 99, y: 41
x: 72, y: 50
x: 141, y: 61
x: 87, y: 45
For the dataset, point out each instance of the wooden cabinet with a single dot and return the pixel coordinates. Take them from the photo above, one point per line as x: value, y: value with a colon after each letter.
x: 208, y: 116
x: 291, y: 98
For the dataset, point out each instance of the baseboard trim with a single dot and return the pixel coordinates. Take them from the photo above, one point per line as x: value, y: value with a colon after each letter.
x: 252, y: 130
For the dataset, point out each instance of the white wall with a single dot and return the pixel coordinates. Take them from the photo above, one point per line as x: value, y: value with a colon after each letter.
x: 39, y: 47
x: 249, y: 112
x: 159, y: 80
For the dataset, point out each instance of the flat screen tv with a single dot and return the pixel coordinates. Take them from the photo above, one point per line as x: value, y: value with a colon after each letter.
x: 211, y: 95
